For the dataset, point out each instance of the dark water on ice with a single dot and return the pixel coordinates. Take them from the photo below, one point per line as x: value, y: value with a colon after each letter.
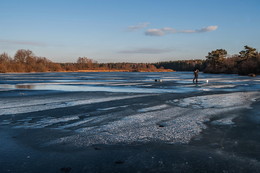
x: 171, y: 82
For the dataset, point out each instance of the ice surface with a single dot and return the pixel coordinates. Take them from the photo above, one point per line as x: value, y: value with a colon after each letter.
x: 8, y: 107
x: 225, y: 121
x: 111, y: 108
x: 218, y: 100
x: 143, y: 127
x: 176, y: 120
x: 176, y: 82
x: 49, y: 121
x: 153, y: 108
x: 169, y: 125
x: 178, y: 127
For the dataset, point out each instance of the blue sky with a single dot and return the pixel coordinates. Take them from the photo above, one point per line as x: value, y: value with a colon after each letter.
x: 128, y: 30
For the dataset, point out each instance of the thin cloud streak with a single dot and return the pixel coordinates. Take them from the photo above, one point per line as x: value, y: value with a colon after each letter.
x: 138, y: 26
x: 146, y: 51
x: 160, y: 32
x: 168, y: 30
x: 17, y: 42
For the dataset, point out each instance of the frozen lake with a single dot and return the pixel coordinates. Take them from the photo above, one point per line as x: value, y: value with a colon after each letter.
x: 32, y: 93
x: 45, y: 113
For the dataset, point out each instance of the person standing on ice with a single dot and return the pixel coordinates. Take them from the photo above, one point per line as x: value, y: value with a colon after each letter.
x: 196, y: 75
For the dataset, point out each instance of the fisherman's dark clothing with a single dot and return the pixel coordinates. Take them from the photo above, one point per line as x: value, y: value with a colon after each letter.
x: 196, y: 75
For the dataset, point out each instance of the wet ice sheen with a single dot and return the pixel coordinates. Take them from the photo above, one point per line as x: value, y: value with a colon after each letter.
x: 177, y: 82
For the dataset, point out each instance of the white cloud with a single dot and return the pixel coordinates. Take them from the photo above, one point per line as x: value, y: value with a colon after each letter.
x: 208, y: 29
x: 155, y: 32
x: 168, y: 30
x: 160, y: 32
x: 138, y: 26
x: 146, y: 51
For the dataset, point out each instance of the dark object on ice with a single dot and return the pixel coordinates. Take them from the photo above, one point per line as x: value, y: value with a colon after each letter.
x: 82, y: 116
x: 65, y: 169
x: 160, y: 125
x: 158, y: 80
x: 119, y: 162
x: 252, y: 75
x: 97, y: 148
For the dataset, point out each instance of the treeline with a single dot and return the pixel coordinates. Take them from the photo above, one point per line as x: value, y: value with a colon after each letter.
x: 26, y: 61
x: 124, y: 67
x: 245, y: 63
x: 183, y: 65
x: 217, y: 61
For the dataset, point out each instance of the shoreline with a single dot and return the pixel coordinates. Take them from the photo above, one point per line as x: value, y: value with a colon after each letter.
x: 79, y: 71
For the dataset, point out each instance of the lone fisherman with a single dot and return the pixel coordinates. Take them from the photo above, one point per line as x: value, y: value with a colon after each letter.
x: 196, y: 75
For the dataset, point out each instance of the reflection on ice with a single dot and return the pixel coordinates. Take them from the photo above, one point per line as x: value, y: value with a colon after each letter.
x: 24, y: 86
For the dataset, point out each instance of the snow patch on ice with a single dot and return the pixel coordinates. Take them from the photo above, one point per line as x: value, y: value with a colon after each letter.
x: 170, y: 125
x: 111, y: 108
x: 76, y: 123
x: 218, y: 101
x: 180, y: 125
x: 225, y: 121
x: 222, y: 86
x: 153, y: 108
x: 50, y: 121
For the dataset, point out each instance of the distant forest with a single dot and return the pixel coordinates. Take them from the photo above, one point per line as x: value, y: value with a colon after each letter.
x: 217, y: 61
x: 26, y: 61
